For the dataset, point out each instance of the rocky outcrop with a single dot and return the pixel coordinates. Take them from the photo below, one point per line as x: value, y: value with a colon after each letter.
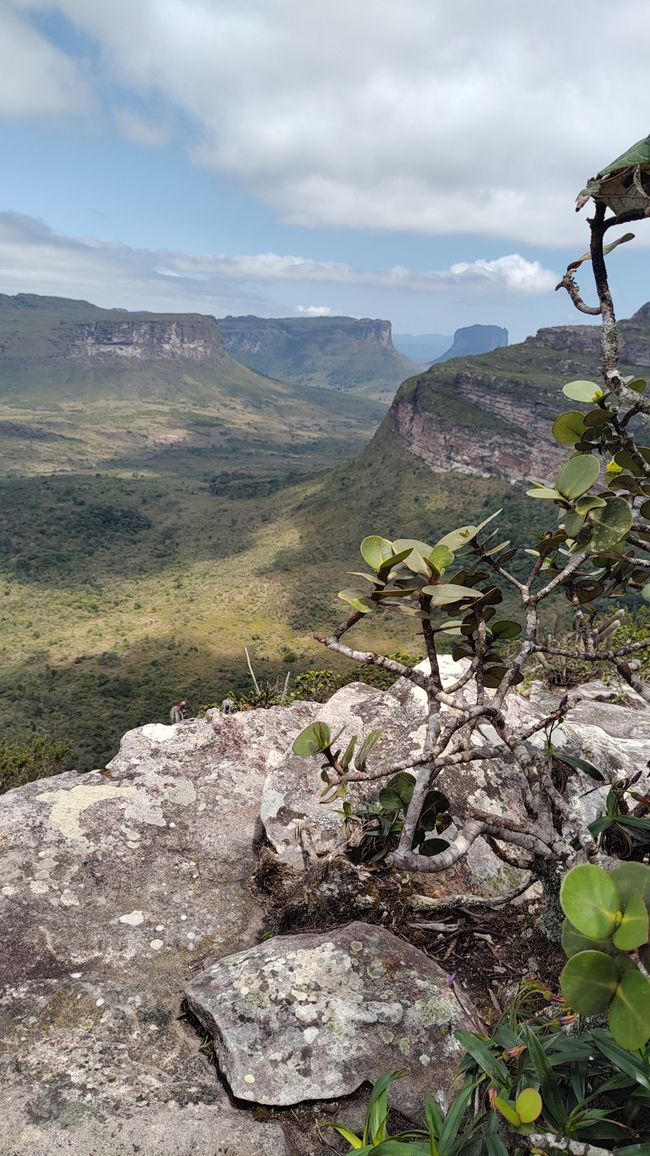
x: 584, y: 340
x: 117, y: 886
x: 509, y: 440
x: 311, y: 1016
x: 157, y: 339
x: 475, y: 339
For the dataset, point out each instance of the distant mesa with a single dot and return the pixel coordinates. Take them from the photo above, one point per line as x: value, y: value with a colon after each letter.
x: 473, y: 340
x: 334, y: 352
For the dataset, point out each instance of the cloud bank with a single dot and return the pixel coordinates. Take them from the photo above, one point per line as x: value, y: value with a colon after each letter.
x: 34, y: 257
x: 421, y: 116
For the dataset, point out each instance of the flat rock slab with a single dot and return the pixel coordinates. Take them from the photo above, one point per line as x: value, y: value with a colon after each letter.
x: 115, y: 887
x: 311, y: 1016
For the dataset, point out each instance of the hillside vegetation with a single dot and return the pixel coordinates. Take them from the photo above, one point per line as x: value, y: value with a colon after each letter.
x: 147, y: 540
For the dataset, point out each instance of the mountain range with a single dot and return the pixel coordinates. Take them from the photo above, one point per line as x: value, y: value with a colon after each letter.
x: 158, y: 513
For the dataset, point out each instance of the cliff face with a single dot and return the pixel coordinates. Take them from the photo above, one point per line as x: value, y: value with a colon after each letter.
x: 584, y: 340
x: 336, y: 352
x: 491, y: 416
x: 189, y: 339
x: 33, y: 327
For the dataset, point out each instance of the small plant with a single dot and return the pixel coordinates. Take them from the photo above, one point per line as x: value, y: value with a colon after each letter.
x: 606, y: 937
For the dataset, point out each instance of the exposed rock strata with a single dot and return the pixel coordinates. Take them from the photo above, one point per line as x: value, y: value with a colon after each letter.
x: 187, y: 339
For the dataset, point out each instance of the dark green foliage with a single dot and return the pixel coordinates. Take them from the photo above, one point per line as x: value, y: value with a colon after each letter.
x: 534, y: 1073
x: 22, y: 762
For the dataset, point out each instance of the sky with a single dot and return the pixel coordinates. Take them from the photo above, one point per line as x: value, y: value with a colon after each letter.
x: 416, y: 161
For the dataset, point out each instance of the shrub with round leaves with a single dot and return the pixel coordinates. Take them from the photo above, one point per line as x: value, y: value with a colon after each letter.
x: 607, y: 939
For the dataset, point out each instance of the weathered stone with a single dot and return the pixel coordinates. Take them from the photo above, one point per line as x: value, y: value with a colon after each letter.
x: 600, y: 729
x: 116, y: 887
x: 293, y: 788
x: 312, y: 1016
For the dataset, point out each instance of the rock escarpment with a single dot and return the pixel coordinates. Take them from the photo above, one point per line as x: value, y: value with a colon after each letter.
x: 490, y: 416
x: 339, y: 352
x: 188, y: 338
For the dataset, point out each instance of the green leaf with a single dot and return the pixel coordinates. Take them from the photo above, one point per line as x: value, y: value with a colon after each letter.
x: 629, y: 1015
x: 507, y: 1110
x: 391, y: 562
x: 579, y: 765
x: 586, y: 391
x: 620, y: 1057
x: 528, y: 1105
x: 314, y: 739
x: 543, y: 492
x: 577, y: 476
x: 590, y: 899
x: 588, y: 982
x: 350, y: 1138
x: 357, y: 599
x: 433, y: 1118
x: 441, y: 558
x: 505, y: 628
x: 584, y: 505
x: 376, y: 550
x: 632, y: 878
x: 456, y: 539
x: 377, y: 1111
x: 453, y: 1120
x: 569, y: 427
x: 573, y: 941
x: 367, y: 745
x: 633, y: 929
x: 610, y: 524
x: 444, y: 593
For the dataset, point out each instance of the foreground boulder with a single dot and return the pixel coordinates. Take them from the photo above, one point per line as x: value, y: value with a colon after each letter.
x: 116, y: 887
x: 312, y: 1016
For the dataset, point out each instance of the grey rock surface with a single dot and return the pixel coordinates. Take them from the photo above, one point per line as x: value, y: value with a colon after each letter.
x: 293, y: 788
x: 116, y: 887
x: 601, y: 729
x: 311, y: 1016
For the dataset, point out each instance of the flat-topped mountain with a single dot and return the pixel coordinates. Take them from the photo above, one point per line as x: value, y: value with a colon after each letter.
x: 37, y: 328
x: 337, y: 352
x: 472, y: 340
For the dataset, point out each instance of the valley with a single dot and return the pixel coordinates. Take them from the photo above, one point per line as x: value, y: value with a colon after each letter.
x: 158, y: 514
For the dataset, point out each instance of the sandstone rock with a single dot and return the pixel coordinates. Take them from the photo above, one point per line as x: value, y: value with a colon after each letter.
x: 603, y: 731
x: 293, y: 788
x: 116, y: 887
x: 312, y: 1016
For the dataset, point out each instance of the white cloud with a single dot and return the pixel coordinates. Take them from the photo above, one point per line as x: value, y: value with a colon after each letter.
x: 36, y: 79
x: 34, y: 257
x: 421, y: 116
x: 314, y: 310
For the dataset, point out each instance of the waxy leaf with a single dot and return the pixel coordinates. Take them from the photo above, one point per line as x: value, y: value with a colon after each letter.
x: 629, y: 1014
x: 446, y: 592
x: 633, y: 929
x: 611, y: 523
x: 528, y: 1105
x: 590, y: 899
x: 573, y: 942
x: 543, y: 492
x: 357, y: 599
x: 376, y: 550
x: 588, y: 982
x: 630, y: 879
x: 458, y: 538
x: 569, y: 427
x: 441, y: 558
x: 577, y: 476
x: 314, y: 739
x: 586, y: 391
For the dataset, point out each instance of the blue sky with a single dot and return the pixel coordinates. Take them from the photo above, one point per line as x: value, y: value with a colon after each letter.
x: 416, y: 161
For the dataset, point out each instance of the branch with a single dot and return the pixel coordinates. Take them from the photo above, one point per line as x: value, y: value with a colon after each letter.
x: 468, y: 902
x: 369, y: 658
x: 569, y: 283
x: 407, y: 860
